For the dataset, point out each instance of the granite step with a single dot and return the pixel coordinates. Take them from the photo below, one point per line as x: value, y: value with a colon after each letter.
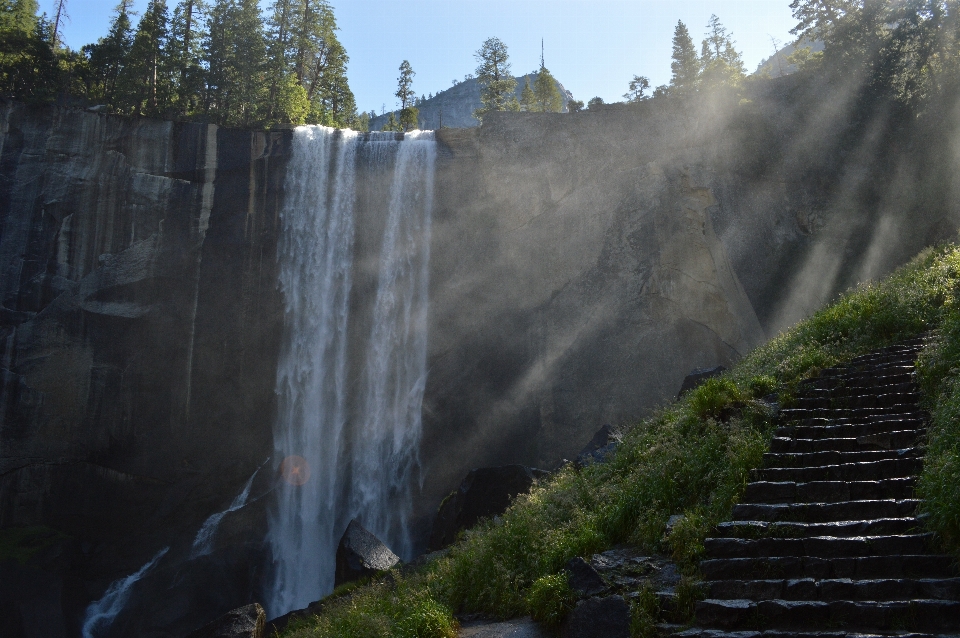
x: 862, y: 568
x: 865, y: 471
x: 834, y: 430
x: 920, y: 614
x: 837, y: 529
x: 817, y: 459
x: 827, y: 512
x: 820, y: 546
x: 778, y: 633
x: 837, y: 589
x: 879, y: 442
x: 767, y: 492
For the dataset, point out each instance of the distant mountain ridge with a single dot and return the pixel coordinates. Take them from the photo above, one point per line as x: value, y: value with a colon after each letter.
x: 457, y: 105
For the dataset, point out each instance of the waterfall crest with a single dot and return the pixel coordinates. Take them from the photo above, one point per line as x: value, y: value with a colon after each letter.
x: 352, y: 370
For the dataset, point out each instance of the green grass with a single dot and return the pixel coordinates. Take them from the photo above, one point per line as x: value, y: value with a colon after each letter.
x: 691, y: 458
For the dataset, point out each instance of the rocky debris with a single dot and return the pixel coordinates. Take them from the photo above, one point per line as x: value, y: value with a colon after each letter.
x: 279, y: 624
x: 598, y: 618
x: 827, y: 536
x: 244, y: 622
x: 518, y: 628
x: 361, y: 554
x: 697, y: 377
x: 600, y: 446
x: 584, y: 579
x: 486, y: 491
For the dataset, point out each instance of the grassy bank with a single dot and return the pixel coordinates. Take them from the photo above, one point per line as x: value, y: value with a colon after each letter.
x: 691, y: 458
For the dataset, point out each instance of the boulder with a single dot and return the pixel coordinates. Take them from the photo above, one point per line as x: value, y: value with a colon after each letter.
x: 243, y: 622
x: 583, y: 578
x: 697, y: 377
x: 598, y: 618
x: 361, y: 554
x: 599, y: 447
x: 486, y: 491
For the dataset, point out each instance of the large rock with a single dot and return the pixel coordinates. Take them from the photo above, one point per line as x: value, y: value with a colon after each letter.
x: 486, y: 491
x: 361, y: 554
x: 245, y: 622
x: 698, y: 377
x: 598, y: 618
x: 583, y: 578
x: 599, y: 447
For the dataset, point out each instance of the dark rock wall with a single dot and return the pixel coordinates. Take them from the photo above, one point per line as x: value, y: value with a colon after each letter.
x: 139, y: 326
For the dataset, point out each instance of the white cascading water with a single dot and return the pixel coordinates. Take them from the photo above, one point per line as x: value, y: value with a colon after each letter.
x: 101, y: 614
x: 355, y: 440
x: 203, y: 542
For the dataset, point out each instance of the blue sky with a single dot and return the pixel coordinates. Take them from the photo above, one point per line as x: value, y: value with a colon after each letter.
x: 594, y: 47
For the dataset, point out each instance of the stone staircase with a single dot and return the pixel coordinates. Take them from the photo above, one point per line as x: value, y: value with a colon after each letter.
x: 827, y: 541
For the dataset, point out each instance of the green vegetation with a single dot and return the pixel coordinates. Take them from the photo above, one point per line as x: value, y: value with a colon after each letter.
x: 218, y: 62
x: 497, y: 86
x: 691, y: 459
x: 408, y: 112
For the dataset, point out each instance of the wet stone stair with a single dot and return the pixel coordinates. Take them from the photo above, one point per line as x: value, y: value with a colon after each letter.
x: 827, y: 541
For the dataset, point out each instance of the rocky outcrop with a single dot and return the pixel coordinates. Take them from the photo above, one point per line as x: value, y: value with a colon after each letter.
x: 484, y: 492
x: 607, y: 617
x: 138, y: 329
x: 698, y: 377
x: 244, y: 622
x: 360, y: 554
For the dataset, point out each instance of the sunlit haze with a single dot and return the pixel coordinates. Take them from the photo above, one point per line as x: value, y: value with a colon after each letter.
x: 594, y: 47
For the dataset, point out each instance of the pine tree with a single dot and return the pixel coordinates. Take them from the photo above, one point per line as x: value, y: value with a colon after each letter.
x: 408, y: 112
x: 497, y: 86
x: 545, y: 90
x: 185, y: 55
x: 528, y: 100
x: 235, y: 54
x: 722, y: 64
x: 108, y: 56
x: 638, y: 86
x: 685, y: 65
x: 146, y: 86
x: 28, y: 63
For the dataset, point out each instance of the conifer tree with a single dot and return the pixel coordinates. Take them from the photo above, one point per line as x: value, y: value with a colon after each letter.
x: 146, y: 85
x: 722, y: 64
x: 497, y: 86
x: 235, y: 54
x: 638, y: 86
x: 545, y: 90
x: 108, y: 57
x: 185, y: 55
x: 685, y: 65
x: 408, y: 112
x: 528, y: 100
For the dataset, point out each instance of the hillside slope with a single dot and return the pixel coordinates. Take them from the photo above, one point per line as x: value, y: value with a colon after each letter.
x: 690, y: 460
x: 457, y: 104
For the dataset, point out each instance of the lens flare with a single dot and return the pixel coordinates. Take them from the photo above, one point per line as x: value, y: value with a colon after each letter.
x: 295, y: 470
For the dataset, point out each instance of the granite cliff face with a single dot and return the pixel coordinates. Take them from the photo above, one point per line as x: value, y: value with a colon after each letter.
x: 581, y: 265
x: 139, y: 327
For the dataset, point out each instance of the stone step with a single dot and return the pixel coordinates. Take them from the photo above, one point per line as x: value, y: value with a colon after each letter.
x: 819, y: 546
x: 920, y: 614
x: 854, y: 414
x: 826, y: 512
x: 787, y: 633
x: 764, y: 529
x: 880, y: 398
x: 817, y: 459
x: 827, y: 491
x: 867, y: 443
x: 836, y: 589
x: 862, y: 568
x: 833, y: 430
x: 868, y: 471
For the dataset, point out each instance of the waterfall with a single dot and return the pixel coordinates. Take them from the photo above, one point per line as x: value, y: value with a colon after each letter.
x: 203, y: 543
x: 348, y: 422
x: 101, y: 614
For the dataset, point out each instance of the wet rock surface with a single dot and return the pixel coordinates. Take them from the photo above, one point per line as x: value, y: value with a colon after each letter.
x: 519, y: 628
x: 607, y: 617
